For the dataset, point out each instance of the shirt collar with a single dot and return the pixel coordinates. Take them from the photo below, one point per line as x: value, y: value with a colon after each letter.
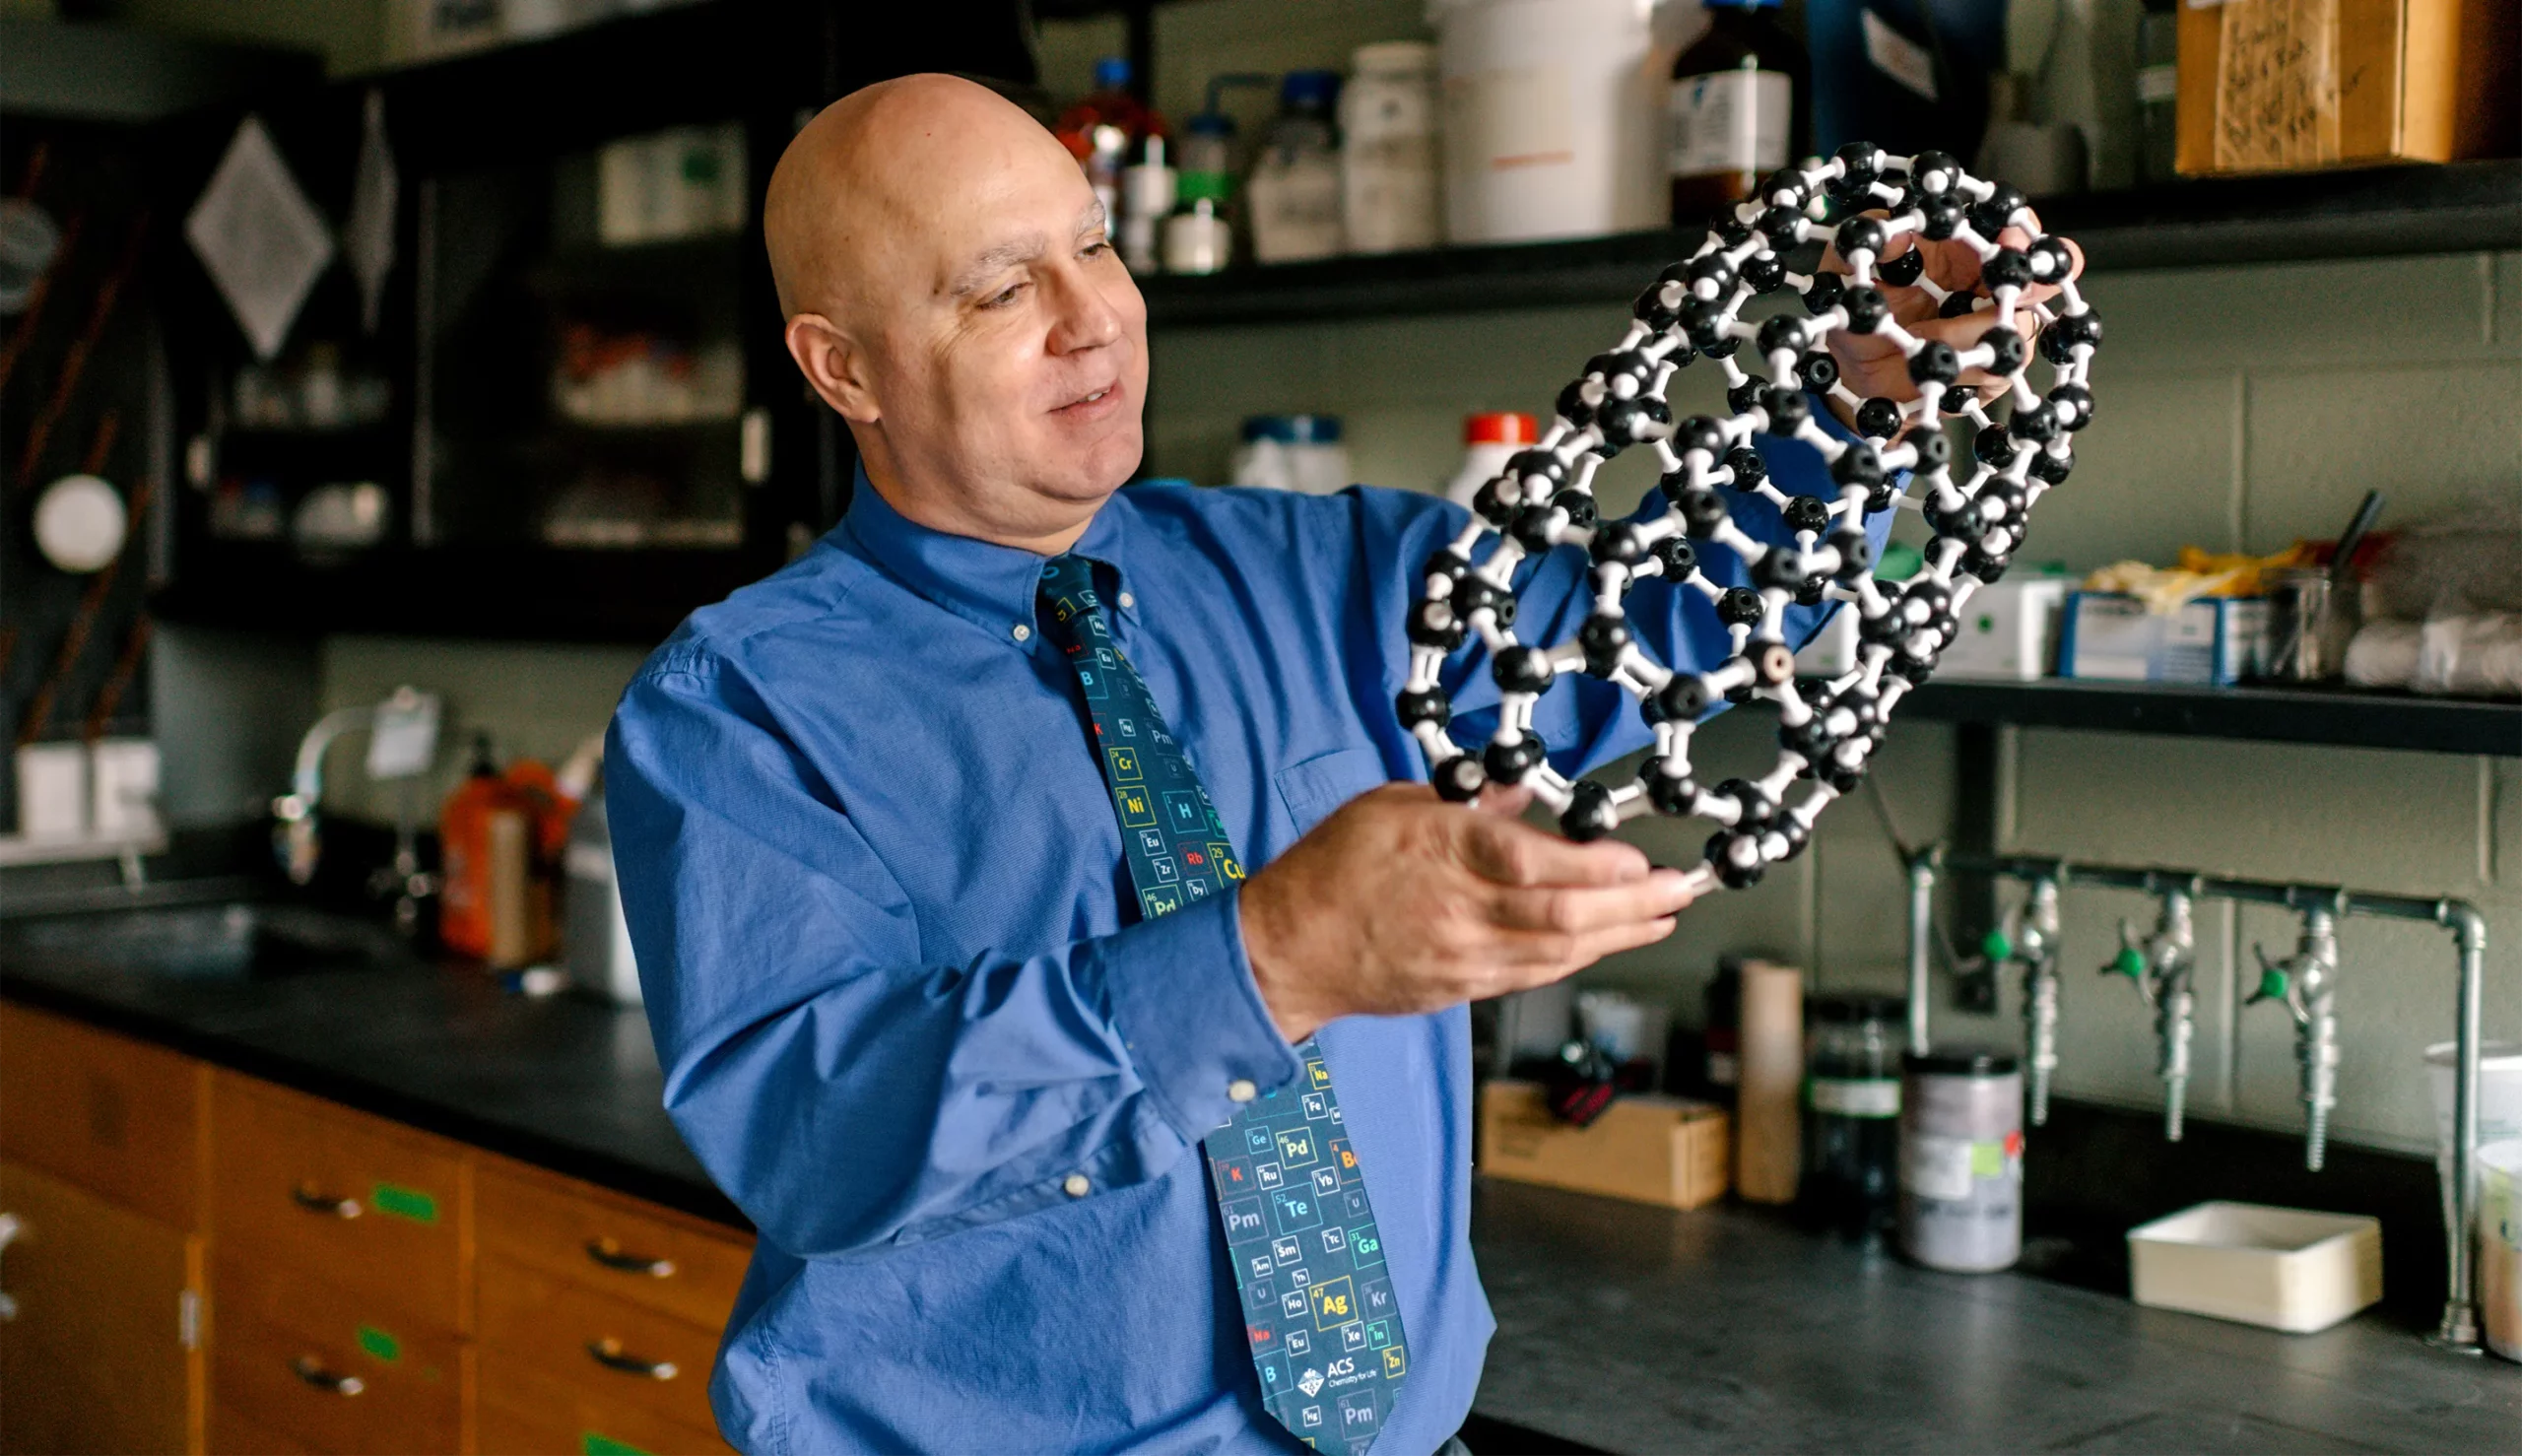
x: 995, y: 587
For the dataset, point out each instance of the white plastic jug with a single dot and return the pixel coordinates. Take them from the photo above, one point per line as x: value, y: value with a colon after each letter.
x: 1550, y: 117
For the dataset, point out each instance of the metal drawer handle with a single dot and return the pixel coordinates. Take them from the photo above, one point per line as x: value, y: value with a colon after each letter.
x: 10, y: 1228
x: 611, y: 1256
x: 608, y: 1354
x: 309, y: 1197
x: 311, y: 1371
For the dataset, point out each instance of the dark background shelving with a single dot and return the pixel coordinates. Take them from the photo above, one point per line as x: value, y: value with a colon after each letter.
x: 2341, y: 716
x: 2360, y: 213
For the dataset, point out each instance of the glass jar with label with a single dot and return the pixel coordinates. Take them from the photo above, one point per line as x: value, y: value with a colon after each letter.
x: 1735, y: 111
x: 1852, y: 1112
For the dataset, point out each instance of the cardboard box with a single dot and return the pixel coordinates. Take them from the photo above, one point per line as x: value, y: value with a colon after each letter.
x: 2285, y: 85
x: 2111, y: 636
x: 1645, y: 1148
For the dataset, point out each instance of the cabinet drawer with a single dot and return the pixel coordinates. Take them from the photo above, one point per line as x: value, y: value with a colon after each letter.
x: 119, y: 1117
x: 352, y: 1200
x: 524, y: 1411
x: 628, y: 1354
x: 648, y: 1255
x: 294, y: 1360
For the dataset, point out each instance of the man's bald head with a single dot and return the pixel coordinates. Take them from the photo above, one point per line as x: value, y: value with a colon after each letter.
x: 869, y: 166
x: 950, y: 292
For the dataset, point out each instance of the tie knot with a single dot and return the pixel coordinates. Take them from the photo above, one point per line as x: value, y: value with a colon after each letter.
x: 1068, y: 596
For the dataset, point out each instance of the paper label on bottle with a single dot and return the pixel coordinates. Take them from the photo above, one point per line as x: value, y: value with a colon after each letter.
x: 1856, y: 1097
x: 1729, y: 121
x: 1896, y: 55
x: 1511, y: 117
x: 2157, y: 83
x: 1937, y: 1169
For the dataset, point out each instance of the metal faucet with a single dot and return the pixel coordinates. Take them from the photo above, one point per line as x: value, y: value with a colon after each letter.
x: 2305, y: 983
x: 2036, y: 945
x: 2162, y: 965
x: 403, y: 741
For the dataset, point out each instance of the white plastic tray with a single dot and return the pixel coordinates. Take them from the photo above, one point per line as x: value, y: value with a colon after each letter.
x: 2287, y: 1269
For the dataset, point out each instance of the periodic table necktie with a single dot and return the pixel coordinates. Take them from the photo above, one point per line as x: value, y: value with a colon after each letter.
x: 1308, y: 1263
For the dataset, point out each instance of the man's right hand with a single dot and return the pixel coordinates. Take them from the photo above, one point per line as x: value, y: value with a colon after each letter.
x: 1401, y: 903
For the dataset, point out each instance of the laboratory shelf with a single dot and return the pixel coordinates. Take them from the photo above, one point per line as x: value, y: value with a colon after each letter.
x: 2358, y: 213
x: 2342, y: 716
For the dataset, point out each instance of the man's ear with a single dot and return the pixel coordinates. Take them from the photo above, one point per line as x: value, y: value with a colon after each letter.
x: 834, y: 366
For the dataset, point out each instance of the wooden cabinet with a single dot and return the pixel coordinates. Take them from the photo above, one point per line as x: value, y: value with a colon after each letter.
x: 354, y: 1201
x: 327, y: 1369
x: 600, y: 1317
x: 119, y: 1117
x: 670, y: 1262
x: 100, y: 1343
x: 205, y: 1261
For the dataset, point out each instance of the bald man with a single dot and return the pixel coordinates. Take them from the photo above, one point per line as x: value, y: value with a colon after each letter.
x: 1063, y: 1129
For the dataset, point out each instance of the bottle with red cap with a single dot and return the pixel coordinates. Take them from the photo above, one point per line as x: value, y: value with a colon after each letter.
x: 1489, y: 441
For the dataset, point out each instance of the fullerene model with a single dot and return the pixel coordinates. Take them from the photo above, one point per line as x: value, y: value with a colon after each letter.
x: 1829, y: 730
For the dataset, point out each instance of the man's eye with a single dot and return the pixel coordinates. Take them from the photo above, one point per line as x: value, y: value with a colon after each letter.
x: 1003, y: 296
x: 1098, y: 248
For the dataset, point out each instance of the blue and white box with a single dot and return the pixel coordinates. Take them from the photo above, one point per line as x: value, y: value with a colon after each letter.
x: 2111, y: 636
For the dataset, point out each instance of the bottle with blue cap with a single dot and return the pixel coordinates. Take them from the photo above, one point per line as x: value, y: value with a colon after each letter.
x: 1735, y: 111
x: 1292, y: 200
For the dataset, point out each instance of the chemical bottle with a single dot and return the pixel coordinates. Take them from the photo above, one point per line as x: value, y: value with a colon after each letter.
x: 1292, y: 200
x: 1105, y: 131
x: 1735, y: 111
x: 464, y: 852
x: 1389, y: 148
x: 1489, y: 441
x: 1200, y: 236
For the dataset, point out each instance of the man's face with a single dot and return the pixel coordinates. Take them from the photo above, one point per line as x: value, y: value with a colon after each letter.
x: 1015, y: 365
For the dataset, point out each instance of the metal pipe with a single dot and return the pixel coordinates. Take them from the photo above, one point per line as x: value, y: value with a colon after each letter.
x: 2459, y: 1327
x: 1922, y: 873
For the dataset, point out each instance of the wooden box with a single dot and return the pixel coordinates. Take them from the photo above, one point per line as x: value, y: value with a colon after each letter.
x: 2285, y: 85
x: 1645, y: 1148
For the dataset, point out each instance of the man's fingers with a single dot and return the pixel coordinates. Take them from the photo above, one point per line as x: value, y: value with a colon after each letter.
x: 1507, y: 852
x: 1504, y: 800
x: 1584, y: 911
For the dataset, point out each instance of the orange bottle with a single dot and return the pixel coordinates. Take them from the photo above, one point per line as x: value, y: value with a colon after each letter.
x: 464, y: 827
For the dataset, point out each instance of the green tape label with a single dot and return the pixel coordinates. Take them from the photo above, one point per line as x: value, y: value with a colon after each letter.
x: 379, y: 1343
x: 404, y: 1203
x: 592, y: 1444
x: 1987, y: 1160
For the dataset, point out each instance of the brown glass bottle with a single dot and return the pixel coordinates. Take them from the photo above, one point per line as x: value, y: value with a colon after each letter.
x: 1736, y: 110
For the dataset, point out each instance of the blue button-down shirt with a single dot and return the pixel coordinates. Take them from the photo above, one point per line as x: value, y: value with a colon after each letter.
x: 876, y: 887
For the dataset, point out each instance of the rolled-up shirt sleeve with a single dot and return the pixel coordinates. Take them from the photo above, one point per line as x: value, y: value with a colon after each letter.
x: 847, y: 1091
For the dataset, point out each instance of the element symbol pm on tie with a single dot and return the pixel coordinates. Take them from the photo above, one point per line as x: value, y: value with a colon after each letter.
x: 1829, y: 731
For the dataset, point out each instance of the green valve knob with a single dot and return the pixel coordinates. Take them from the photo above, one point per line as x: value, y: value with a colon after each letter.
x: 2272, y: 985
x: 2130, y: 963
x: 1996, y: 946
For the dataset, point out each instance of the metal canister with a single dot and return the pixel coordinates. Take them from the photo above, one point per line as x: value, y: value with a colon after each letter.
x: 1961, y: 1206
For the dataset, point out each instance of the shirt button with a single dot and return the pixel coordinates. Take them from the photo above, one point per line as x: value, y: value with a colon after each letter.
x: 1241, y: 1089
x: 1128, y: 601
x: 1023, y: 632
x: 1074, y: 1185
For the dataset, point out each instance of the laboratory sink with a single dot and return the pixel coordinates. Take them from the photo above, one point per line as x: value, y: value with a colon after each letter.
x: 236, y: 940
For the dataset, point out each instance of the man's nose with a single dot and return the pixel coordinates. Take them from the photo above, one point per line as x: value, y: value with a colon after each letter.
x: 1086, y: 318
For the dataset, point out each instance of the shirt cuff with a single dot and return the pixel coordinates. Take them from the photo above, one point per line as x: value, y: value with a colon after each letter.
x: 1190, y: 1017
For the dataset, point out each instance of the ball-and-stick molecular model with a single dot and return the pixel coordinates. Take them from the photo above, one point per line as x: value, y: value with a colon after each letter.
x: 1829, y: 730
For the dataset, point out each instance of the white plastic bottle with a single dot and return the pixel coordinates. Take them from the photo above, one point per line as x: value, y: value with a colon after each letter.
x: 1293, y: 201
x: 1389, y: 148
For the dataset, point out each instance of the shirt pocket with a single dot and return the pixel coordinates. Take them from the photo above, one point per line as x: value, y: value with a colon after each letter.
x: 1311, y: 789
